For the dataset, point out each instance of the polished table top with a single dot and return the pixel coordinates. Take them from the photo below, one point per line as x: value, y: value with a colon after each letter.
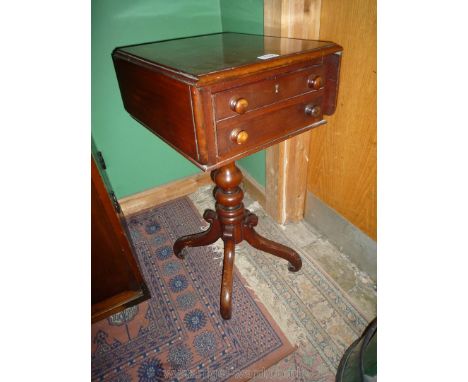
x: 202, y: 55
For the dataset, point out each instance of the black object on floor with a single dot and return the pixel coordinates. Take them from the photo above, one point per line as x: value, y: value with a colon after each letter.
x: 359, y: 363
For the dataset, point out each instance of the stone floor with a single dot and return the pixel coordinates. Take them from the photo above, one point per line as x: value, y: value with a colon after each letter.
x: 360, y: 288
x: 321, y: 309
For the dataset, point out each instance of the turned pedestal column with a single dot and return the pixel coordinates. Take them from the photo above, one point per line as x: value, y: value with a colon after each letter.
x: 232, y: 223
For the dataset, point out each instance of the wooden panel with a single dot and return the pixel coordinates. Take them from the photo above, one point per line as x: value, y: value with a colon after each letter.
x: 160, y: 103
x: 300, y: 19
x: 272, y: 17
x: 286, y: 183
x: 287, y: 162
x: 116, y: 281
x: 342, y: 167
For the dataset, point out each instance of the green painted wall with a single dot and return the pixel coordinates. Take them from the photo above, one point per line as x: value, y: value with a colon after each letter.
x: 136, y: 159
x: 246, y: 16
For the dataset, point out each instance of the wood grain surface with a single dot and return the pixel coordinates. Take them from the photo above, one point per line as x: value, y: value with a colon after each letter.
x: 287, y: 162
x: 164, y: 193
x: 116, y: 281
x: 342, y: 160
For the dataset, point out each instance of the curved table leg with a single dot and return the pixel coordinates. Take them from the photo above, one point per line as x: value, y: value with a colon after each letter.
x: 263, y: 244
x: 207, y: 237
x: 226, y: 283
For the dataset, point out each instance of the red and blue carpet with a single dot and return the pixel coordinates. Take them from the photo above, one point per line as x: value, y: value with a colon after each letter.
x: 179, y: 335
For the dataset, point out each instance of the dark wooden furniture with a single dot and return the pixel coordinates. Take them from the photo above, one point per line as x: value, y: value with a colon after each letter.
x: 220, y: 97
x: 116, y: 282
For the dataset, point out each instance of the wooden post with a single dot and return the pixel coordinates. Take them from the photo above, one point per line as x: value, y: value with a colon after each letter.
x: 287, y: 162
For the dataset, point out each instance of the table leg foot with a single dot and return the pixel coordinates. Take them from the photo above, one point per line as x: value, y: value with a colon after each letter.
x: 259, y: 242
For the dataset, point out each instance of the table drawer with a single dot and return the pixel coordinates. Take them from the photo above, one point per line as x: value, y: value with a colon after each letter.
x: 246, y: 98
x: 261, y: 127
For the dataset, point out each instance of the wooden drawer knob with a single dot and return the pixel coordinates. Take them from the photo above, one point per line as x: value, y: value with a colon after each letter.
x: 239, y: 136
x: 315, y: 82
x: 313, y: 110
x: 239, y: 105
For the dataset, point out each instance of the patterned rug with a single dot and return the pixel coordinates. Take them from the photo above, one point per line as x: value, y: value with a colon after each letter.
x: 179, y: 335
x: 312, y: 310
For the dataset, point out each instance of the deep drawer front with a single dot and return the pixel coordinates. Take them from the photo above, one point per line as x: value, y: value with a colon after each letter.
x: 258, y: 128
x: 267, y: 92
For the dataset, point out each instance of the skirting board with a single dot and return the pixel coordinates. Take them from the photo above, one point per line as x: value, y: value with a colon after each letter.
x: 157, y: 195
x: 359, y: 247
x: 161, y: 194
